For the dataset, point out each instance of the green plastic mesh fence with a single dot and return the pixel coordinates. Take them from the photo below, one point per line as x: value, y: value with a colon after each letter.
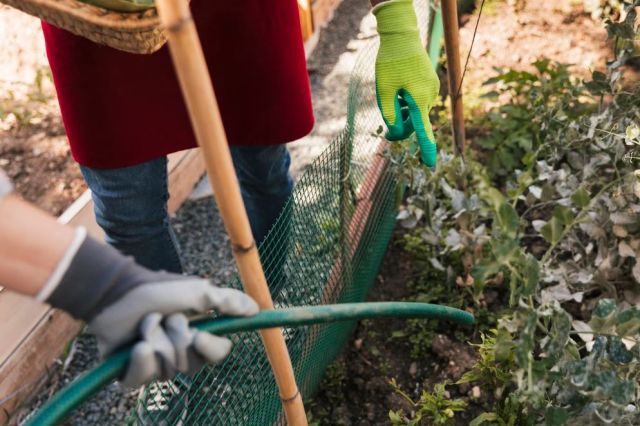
x: 326, y: 247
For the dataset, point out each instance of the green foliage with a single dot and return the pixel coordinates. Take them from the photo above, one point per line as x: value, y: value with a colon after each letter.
x: 420, y: 334
x: 433, y: 408
x: 507, y: 413
x: 548, y: 212
x: 536, y: 104
x: 493, y: 369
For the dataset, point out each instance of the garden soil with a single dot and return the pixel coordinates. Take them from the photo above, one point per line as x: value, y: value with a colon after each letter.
x: 356, y: 390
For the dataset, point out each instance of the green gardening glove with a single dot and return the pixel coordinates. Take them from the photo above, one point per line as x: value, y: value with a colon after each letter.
x: 406, y: 83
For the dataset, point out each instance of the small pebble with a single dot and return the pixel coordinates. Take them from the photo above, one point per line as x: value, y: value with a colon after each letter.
x: 413, y: 369
x: 475, y: 392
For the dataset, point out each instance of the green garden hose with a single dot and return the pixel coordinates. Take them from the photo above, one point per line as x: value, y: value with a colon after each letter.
x: 95, y: 379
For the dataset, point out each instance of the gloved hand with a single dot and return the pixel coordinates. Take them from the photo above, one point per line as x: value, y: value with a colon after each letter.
x: 123, y: 303
x: 405, y: 79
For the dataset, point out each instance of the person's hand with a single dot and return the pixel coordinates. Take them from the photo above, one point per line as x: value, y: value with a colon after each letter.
x: 125, y: 303
x: 152, y: 313
x: 406, y: 83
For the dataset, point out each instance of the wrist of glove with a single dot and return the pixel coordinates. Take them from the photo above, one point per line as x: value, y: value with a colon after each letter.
x: 406, y: 82
x: 123, y: 303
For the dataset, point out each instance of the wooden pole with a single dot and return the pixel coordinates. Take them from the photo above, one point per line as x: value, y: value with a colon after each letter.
x: 454, y: 71
x: 197, y: 90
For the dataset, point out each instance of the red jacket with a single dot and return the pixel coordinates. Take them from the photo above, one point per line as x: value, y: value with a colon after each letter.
x: 120, y: 109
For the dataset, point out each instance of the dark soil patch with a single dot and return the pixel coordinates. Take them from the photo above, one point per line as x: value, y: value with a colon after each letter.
x: 356, y: 388
x: 37, y: 160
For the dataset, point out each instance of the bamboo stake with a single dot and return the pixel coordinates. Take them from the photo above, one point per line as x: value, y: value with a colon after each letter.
x: 199, y: 96
x: 454, y: 71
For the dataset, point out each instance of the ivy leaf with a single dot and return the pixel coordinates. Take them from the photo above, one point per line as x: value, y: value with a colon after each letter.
x: 563, y: 214
x: 623, y: 393
x: 552, y: 231
x: 603, y: 315
x: 481, y: 273
x: 490, y: 95
x: 559, y: 335
x: 579, y: 373
x: 581, y: 198
x: 509, y: 219
x: 603, y: 381
x: 605, y: 308
x: 503, y: 348
x: 628, y: 322
x: 531, y: 275
x: 396, y: 417
x: 525, y: 344
x: 556, y: 416
x: 495, y: 197
x: 617, y: 351
x: 472, y: 375
x: 599, y: 83
x: 486, y: 417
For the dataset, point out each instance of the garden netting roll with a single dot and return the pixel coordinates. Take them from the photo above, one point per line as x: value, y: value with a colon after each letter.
x: 326, y: 247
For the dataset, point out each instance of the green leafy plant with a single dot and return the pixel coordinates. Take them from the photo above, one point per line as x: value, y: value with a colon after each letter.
x: 533, y: 105
x: 548, y: 213
x: 433, y: 408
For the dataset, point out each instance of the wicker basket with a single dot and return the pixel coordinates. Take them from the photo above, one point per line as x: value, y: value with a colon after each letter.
x: 135, y: 32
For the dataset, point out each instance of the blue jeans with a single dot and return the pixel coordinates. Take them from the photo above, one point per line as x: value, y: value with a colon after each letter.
x: 130, y: 203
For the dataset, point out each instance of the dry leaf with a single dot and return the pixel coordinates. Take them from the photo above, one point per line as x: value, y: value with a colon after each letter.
x: 620, y: 231
x: 625, y: 250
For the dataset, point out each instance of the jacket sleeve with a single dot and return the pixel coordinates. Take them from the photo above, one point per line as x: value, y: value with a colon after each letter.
x: 5, y: 185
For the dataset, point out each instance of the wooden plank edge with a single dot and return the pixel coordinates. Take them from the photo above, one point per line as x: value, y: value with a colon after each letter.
x: 27, y: 371
x: 24, y: 370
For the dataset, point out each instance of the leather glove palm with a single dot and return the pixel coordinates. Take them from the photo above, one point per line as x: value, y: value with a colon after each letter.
x: 405, y: 77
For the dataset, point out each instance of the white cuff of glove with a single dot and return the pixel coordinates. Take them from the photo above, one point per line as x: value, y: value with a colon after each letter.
x: 63, y: 265
x: 5, y: 185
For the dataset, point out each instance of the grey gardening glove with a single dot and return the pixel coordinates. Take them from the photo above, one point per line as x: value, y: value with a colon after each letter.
x: 125, y: 303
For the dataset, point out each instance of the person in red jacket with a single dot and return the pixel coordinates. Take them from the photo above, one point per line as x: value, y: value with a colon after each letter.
x: 124, y: 113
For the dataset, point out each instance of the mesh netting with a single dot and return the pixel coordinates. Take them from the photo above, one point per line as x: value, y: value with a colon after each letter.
x: 326, y: 247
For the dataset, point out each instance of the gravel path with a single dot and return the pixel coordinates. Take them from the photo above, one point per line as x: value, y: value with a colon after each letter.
x: 204, y: 244
x: 330, y: 67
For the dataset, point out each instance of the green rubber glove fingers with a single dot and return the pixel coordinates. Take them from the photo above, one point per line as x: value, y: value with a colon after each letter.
x: 405, y: 76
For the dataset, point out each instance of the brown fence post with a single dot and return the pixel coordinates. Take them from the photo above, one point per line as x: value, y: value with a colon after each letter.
x: 454, y: 71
